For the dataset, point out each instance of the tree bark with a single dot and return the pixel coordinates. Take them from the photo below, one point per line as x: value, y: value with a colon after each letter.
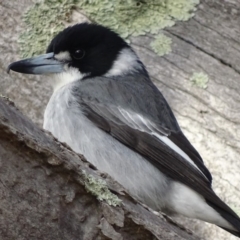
x: 208, y: 43
x: 46, y: 192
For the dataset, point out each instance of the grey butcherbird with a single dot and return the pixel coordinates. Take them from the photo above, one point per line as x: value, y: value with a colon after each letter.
x: 105, y: 106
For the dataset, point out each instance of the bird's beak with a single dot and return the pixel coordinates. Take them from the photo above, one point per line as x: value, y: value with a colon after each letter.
x: 42, y: 64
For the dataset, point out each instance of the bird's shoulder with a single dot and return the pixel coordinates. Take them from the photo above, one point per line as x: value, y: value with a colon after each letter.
x: 135, y: 93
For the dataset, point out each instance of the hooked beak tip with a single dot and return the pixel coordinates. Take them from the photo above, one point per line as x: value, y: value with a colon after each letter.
x: 9, y: 68
x: 42, y: 64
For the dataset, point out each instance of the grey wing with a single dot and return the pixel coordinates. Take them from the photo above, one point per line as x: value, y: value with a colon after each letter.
x: 119, y: 110
x: 141, y: 108
x: 155, y: 151
x: 118, y: 121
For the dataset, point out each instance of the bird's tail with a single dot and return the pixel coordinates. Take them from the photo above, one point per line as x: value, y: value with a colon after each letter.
x: 228, y: 214
x: 209, y: 208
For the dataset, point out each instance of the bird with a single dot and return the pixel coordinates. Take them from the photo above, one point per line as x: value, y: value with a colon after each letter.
x: 105, y: 106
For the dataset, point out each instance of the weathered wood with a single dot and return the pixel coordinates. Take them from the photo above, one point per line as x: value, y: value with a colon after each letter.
x: 44, y: 194
x: 209, y: 43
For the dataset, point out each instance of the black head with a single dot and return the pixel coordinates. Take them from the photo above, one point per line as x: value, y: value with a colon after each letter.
x: 92, y: 48
x: 82, y: 51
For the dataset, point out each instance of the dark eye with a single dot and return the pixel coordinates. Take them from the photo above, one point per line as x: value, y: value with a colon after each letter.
x: 78, y: 54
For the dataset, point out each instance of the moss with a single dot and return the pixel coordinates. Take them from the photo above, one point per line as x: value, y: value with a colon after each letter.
x: 138, y: 17
x: 161, y: 45
x: 44, y: 20
x: 200, y: 79
x: 99, y: 189
x: 127, y: 17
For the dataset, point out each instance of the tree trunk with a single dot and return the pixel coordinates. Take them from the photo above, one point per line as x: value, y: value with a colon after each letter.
x: 38, y: 196
x: 50, y: 192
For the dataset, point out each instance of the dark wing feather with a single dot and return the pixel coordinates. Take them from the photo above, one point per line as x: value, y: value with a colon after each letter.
x: 147, y: 110
x: 182, y: 142
x: 131, y: 117
x: 163, y: 158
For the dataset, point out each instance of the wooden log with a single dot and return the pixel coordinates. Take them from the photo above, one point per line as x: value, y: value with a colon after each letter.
x: 210, y: 117
x: 49, y: 192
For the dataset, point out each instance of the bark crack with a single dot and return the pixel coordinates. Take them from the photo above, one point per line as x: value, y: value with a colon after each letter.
x: 222, y: 61
x: 196, y: 97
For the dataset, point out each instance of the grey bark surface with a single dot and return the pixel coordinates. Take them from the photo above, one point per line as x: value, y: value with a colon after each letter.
x: 43, y: 194
x: 209, y: 43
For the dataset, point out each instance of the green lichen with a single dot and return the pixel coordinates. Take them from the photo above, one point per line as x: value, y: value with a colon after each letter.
x: 138, y: 17
x: 127, y: 17
x: 43, y: 22
x: 161, y: 45
x: 98, y: 188
x: 200, y: 79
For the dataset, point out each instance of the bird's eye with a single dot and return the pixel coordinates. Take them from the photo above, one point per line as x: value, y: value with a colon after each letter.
x: 78, y: 54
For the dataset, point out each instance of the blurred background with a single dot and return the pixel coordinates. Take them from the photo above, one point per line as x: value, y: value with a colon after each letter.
x: 190, y: 48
